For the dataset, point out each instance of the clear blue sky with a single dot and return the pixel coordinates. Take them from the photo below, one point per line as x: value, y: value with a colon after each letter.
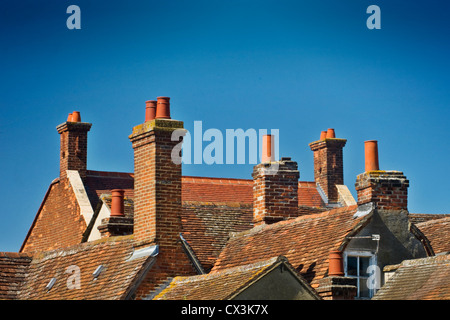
x: 297, y: 66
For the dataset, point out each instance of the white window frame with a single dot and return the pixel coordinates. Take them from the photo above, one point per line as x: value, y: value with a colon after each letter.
x: 372, y: 261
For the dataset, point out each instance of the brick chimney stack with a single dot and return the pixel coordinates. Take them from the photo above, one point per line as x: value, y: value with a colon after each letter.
x: 388, y: 190
x: 157, y: 179
x: 73, y: 150
x: 329, y: 164
x: 336, y: 286
x: 275, y: 187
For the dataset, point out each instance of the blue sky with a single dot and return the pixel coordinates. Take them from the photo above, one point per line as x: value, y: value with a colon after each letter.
x: 296, y: 66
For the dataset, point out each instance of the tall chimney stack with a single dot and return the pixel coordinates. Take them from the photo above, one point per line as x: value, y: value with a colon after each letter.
x: 329, y: 164
x: 73, y: 148
x: 157, y: 179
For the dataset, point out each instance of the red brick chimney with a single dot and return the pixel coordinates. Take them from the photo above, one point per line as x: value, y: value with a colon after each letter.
x: 388, y: 190
x: 275, y: 187
x: 328, y: 164
x: 157, y: 179
x: 73, y: 150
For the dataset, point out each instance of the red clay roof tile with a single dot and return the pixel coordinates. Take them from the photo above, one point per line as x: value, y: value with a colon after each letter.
x: 305, y: 241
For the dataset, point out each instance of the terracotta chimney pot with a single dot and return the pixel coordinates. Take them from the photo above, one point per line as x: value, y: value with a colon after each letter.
x: 69, y: 118
x: 371, y: 155
x: 76, y: 117
x: 117, y: 207
x: 163, y: 108
x: 336, y: 266
x: 267, y: 148
x: 150, y: 110
x: 330, y: 134
x: 323, y: 135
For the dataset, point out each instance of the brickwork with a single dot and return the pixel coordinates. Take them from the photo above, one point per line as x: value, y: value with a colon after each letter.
x: 329, y: 165
x: 59, y: 223
x: 387, y: 189
x: 116, y: 226
x: 73, y: 153
x: 275, y: 194
x: 337, y: 288
x: 157, y: 201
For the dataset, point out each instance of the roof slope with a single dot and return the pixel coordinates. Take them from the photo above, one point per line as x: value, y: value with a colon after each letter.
x: 419, y: 279
x: 13, y: 268
x: 207, y: 228
x: 64, y: 265
x: 221, y: 285
x: 437, y: 232
x: 305, y: 241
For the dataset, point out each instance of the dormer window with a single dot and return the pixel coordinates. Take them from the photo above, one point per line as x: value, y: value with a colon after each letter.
x: 356, y: 265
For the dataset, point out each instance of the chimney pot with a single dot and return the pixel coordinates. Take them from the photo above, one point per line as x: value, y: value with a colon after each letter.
x: 371, y: 155
x: 330, y: 133
x: 335, y: 267
x: 117, y: 206
x: 323, y: 135
x: 268, y: 148
x: 150, y: 110
x: 76, y: 117
x: 163, y: 108
x: 70, y: 117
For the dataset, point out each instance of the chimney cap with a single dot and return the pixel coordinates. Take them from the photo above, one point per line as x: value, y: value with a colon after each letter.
x: 150, y: 110
x: 371, y: 155
x: 117, y: 207
x: 76, y: 117
x: 163, y: 108
x: 335, y: 263
x: 268, y: 147
x: 331, y: 133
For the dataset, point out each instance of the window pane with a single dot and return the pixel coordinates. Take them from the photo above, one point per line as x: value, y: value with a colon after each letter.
x: 364, y: 292
x: 352, y: 266
x: 364, y: 263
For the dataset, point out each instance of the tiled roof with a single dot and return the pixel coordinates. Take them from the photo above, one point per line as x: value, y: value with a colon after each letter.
x: 305, y: 241
x: 437, y: 232
x: 220, y: 285
x: 207, y: 227
x: 212, y: 207
x: 419, y: 279
x: 113, y: 282
x: 217, y: 190
x: 13, y: 268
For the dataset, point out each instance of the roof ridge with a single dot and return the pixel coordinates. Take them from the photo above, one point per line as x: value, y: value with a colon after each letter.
x: 109, y: 174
